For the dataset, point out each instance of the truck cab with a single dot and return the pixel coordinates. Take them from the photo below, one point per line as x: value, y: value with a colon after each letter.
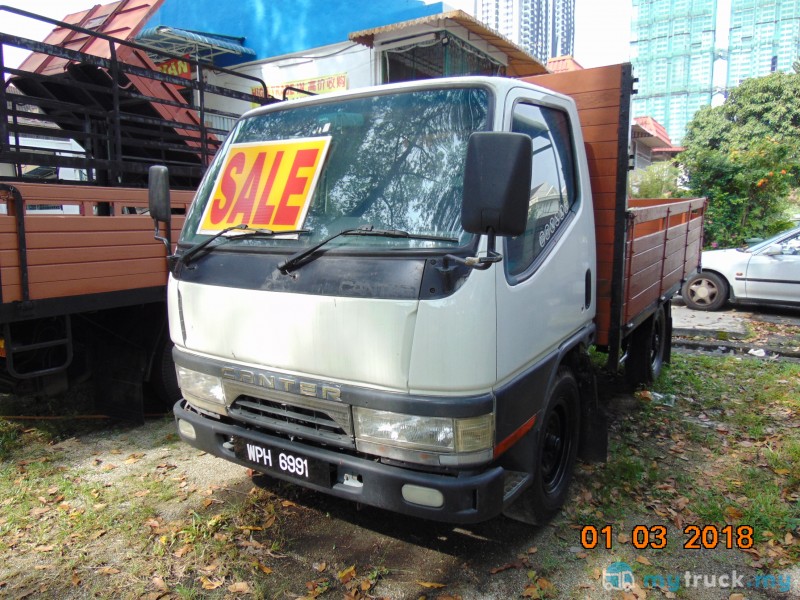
x: 353, y: 308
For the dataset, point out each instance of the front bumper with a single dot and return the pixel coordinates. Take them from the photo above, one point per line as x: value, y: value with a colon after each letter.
x: 467, y: 498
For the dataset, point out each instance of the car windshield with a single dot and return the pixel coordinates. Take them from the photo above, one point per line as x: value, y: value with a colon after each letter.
x: 393, y: 161
x: 768, y: 242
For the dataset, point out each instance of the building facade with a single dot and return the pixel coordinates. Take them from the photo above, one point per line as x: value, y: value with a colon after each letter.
x: 688, y: 53
x: 544, y: 28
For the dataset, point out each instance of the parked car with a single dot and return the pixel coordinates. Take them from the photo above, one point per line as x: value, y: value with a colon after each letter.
x: 765, y: 273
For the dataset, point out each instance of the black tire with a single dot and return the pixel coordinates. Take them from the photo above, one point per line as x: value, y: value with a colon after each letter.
x: 647, y: 349
x: 705, y: 291
x: 163, y: 377
x: 556, y: 449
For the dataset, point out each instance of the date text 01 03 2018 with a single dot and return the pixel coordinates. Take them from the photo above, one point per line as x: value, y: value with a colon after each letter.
x: 698, y: 537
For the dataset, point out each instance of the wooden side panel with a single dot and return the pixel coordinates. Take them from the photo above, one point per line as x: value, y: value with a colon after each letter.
x: 663, y: 247
x: 599, y: 97
x: 70, y: 255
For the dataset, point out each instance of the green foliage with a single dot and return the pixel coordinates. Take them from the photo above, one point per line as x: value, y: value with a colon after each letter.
x: 659, y: 180
x: 744, y: 156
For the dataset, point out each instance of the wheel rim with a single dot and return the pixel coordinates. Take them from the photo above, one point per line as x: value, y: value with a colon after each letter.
x: 556, y: 448
x: 703, y: 292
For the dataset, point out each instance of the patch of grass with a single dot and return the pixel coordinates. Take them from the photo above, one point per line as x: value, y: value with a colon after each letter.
x: 727, y: 452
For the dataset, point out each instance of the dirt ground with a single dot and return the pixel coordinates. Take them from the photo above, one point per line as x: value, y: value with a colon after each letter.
x: 145, y: 516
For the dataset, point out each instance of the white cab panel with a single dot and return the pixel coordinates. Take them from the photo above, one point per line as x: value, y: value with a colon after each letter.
x: 355, y: 340
x: 455, y: 341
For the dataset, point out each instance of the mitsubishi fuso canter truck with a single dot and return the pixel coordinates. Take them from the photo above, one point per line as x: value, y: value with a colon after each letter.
x: 389, y: 294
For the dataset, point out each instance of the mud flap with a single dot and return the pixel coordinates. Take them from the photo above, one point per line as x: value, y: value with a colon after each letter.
x: 594, y: 423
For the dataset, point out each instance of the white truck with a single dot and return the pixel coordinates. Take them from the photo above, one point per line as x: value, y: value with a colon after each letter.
x: 389, y: 294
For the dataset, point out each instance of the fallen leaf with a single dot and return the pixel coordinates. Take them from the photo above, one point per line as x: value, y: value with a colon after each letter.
x: 48, y: 548
x: 736, y: 597
x: 211, y: 584
x: 159, y: 583
x: 733, y: 513
x: 263, y: 568
x: 643, y: 560
x: 142, y: 493
x: 320, y: 567
x: 240, y: 587
x: 76, y: 581
x: 347, y: 574
x: 182, y: 551
x: 428, y: 584
x: 107, y: 571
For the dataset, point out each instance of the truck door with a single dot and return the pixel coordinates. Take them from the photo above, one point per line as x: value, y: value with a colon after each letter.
x: 542, y: 283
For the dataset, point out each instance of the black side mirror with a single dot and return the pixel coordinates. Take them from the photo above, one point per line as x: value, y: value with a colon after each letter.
x: 497, y: 185
x: 158, y: 200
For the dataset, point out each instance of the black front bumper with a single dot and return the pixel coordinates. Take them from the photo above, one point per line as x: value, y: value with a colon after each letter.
x: 467, y: 498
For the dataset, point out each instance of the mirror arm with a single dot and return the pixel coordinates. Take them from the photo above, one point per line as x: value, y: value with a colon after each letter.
x: 165, y: 239
x: 480, y: 263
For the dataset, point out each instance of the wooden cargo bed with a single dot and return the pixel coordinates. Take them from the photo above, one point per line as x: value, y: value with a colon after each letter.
x: 645, y: 248
x: 51, y: 256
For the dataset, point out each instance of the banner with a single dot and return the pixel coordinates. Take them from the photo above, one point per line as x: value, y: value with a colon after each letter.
x: 316, y: 85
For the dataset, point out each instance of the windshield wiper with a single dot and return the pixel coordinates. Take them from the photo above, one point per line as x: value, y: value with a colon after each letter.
x: 295, y: 260
x: 247, y: 232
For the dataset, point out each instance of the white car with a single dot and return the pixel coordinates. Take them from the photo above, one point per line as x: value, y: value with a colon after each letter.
x: 766, y: 273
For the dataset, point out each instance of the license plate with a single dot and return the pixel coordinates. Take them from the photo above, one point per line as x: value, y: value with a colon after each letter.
x: 274, y: 460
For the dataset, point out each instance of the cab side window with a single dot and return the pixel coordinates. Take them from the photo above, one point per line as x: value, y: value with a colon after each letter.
x: 552, y: 192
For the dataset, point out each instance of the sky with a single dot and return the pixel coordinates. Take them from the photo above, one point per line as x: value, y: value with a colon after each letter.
x: 602, y: 28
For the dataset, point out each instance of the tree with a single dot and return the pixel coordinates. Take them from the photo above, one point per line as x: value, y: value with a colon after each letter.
x: 658, y: 180
x: 744, y: 156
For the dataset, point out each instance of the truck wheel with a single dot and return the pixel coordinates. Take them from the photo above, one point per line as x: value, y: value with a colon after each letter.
x: 163, y: 377
x: 647, y: 349
x: 705, y: 291
x: 557, y: 447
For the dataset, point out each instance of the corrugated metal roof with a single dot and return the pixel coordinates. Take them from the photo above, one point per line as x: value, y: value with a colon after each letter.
x: 183, y: 41
x: 561, y: 64
x: 123, y: 19
x: 520, y: 63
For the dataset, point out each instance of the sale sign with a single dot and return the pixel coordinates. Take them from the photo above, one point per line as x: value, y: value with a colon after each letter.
x: 266, y: 185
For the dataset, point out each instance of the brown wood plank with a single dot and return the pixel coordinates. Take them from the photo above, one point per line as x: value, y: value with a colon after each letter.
x: 600, y: 133
x: 596, y: 99
x: 571, y: 82
x: 106, y: 269
x: 605, y: 201
x: 80, y: 239
x: 601, y: 150
x: 605, y: 250
x: 97, y: 285
x: 42, y: 193
x: 10, y: 258
x: 603, y: 167
x: 77, y: 223
x: 604, y: 185
x: 604, y: 217
x: 604, y: 115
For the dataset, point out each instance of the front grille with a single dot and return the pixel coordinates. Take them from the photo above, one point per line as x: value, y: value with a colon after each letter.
x: 308, y: 418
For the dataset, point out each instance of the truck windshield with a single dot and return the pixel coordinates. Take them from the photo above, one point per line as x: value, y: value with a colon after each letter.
x: 391, y: 161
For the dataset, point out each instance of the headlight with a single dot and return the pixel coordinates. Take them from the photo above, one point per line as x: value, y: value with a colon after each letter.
x: 203, y: 390
x: 379, y: 430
